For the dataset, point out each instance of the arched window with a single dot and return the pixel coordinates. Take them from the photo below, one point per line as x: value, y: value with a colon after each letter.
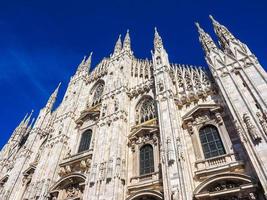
x: 85, y: 141
x: 146, y: 110
x: 146, y: 159
x: 98, y: 93
x: 211, y: 142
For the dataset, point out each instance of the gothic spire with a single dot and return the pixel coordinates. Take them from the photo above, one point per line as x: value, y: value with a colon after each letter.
x: 85, y: 64
x: 127, y: 42
x: 88, y: 61
x: 158, y: 44
x: 118, y: 46
x: 52, y: 99
x: 222, y: 32
x: 23, y: 120
x: 205, y: 39
x: 31, y: 125
x: 27, y: 120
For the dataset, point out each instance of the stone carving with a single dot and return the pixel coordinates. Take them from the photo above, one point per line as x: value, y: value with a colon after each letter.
x: 262, y: 122
x: 190, y: 128
x: 104, y: 110
x: 160, y: 86
x: 72, y: 191
x: 175, y: 195
x: 240, y: 131
x: 202, y: 118
x: 116, y: 105
x: 252, y: 196
x: 219, y: 118
x: 179, y: 149
x: 68, y: 152
x: 170, y: 153
x: 102, y: 168
x: 251, y: 128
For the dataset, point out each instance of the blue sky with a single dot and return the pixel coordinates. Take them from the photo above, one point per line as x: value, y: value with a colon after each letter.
x: 42, y: 42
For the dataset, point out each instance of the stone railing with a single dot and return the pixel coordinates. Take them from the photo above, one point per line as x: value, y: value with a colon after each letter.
x: 222, y: 162
x: 151, y: 181
x: 145, y: 177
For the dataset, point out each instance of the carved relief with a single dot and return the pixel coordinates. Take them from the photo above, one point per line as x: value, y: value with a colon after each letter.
x: 262, y: 121
x: 179, y: 149
x: 72, y: 191
x: 240, y: 132
x: 251, y: 128
x: 170, y: 152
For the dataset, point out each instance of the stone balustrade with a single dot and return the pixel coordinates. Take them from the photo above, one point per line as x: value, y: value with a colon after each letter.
x: 223, y: 162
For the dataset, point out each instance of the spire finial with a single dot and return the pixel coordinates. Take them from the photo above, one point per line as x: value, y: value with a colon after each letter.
x: 26, y: 122
x: 118, y: 45
x: 205, y: 39
x: 198, y: 27
x: 158, y: 44
x: 52, y: 99
x: 221, y: 31
x: 211, y: 17
x: 127, y: 41
x: 89, y: 60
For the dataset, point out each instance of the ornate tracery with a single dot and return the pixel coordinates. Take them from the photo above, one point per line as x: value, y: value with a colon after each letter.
x: 98, y: 93
x: 145, y: 110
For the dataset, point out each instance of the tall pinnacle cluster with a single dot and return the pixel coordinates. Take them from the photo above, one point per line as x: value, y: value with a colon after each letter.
x: 123, y: 47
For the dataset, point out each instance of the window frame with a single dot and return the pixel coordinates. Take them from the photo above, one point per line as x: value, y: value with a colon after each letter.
x: 97, y: 99
x: 220, y: 139
x: 152, y: 161
x: 145, y: 101
x: 90, y: 141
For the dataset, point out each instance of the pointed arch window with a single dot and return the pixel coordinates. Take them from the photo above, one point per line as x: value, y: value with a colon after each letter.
x: 98, y: 93
x: 146, y: 159
x: 211, y: 141
x: 85, y: 141
x: 146, y: 110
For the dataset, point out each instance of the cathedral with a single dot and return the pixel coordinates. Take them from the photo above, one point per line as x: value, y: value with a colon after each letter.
x: 148, y: 129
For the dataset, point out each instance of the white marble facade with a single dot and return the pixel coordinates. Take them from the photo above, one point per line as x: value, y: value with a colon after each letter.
x: 141, y: 129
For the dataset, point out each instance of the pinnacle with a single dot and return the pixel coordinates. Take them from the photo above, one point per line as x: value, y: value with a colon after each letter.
x: 59, y: 85
x: 213, y: 20
x: 88, y: 60
x: 198, y: 26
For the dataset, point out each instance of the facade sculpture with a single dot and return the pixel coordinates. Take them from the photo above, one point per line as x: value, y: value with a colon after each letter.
x: 135, y: 129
